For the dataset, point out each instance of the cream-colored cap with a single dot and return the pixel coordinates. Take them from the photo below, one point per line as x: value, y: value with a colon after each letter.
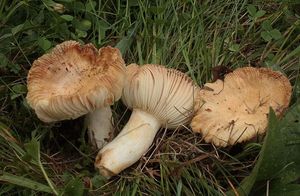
x: 236, y: 109
x: 165, y: 93
x: 73, y: 80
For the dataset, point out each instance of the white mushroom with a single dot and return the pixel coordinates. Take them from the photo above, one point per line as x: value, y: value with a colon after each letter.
x: 158, y: 97
x: 74, y: 80
x: 236, y: 109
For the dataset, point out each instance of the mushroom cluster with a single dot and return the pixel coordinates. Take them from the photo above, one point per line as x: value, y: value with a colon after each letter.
x: 74, y: 80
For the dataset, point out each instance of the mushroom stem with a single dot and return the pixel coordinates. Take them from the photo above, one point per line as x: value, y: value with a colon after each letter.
x: 130, y: 145
x: 100, y: 128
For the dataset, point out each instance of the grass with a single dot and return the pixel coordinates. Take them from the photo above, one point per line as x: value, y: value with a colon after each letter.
x: 192, y: 36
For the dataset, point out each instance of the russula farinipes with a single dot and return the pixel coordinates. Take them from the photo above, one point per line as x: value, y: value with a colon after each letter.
x: 73, y: 80
x: 236, y: 109
x: 159, y: 97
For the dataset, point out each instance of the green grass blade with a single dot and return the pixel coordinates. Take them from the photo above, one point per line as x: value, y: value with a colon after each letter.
x: 280, y: 156
x: 25, y: 182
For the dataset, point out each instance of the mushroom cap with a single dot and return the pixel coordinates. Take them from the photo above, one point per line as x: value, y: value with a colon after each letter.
x: 236, y: 109
x: 73, y: 80
x: 167, y: 94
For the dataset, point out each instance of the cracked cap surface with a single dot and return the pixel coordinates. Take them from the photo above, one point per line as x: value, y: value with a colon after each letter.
x: 236, y: 109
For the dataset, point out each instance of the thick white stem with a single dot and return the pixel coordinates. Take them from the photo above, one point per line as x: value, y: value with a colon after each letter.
x: 100, y: 127
x: 130, y: 145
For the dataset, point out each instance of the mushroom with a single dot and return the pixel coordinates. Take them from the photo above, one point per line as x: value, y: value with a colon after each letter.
x: 158, y: 97
x: 74, y: 80
x: 236, y: 109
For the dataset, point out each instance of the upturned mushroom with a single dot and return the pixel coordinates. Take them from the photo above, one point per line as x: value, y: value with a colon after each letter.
x: 236, y: 109
x: 73, y: 80
x: 159, y: 97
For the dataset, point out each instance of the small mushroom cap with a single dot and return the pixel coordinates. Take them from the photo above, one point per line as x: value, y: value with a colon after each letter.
x: 165, y: 93
x: 73, y: 80
x: 236, y: 109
